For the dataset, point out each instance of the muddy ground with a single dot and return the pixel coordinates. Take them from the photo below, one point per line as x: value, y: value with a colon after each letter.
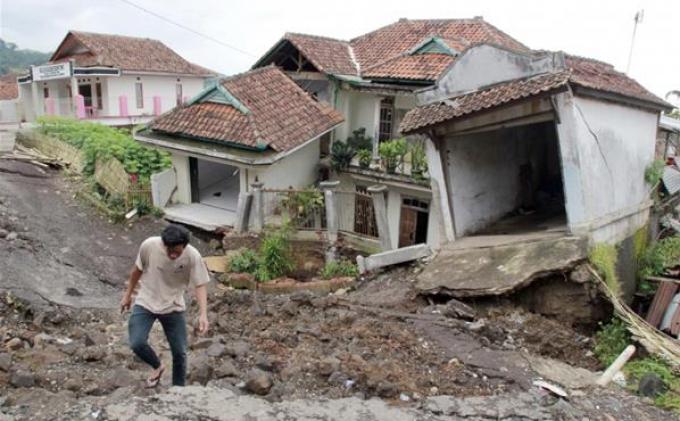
x: 65, y: 350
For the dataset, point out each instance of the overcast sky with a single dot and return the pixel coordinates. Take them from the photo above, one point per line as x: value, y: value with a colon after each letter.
x: 593, y: 28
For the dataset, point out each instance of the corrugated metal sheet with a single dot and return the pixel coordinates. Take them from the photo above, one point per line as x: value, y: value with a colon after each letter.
x: 663, y: 297
x: 671, y: 179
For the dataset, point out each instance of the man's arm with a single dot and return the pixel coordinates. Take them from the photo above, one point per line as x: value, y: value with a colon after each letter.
x: 133, y: 280
x: 202, y: 298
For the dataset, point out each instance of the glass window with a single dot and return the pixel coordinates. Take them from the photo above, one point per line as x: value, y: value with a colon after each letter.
x: 386, y: 119
x: 139, y: 95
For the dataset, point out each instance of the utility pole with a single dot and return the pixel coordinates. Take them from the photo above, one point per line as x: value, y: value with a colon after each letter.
x: 638, y: 19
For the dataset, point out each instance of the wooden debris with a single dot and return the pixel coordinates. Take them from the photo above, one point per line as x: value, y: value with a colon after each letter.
x: 654, y: 341
x: 663, y: 297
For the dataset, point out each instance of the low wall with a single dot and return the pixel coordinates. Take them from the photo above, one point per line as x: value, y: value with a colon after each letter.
x: 52, y: 147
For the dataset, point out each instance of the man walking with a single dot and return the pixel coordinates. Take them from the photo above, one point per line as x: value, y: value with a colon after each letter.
x: 164, y: 268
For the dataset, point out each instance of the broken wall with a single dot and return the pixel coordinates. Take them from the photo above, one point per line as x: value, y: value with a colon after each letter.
x: 605, y: 150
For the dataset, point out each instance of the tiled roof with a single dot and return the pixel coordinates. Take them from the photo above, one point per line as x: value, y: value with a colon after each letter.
x: 9, y: 89
x: 384, y: 49
x: 431, y: 114
x: 410, y: 67
x: 280, y: 114
x: 602, y: 76
x: 127, y: 53
x: 326, y: 54
x: 401, y: 36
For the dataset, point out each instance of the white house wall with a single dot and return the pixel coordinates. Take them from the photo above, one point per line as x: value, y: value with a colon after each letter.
x: 605, y: 149
x: 299, y: 169
x: 152, y: 85
x: 10, y: 111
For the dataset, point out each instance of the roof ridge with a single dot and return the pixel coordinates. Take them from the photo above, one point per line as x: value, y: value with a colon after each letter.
x: 299, y: 34
x: 406, y: 20
x: 74, y: 31
x: 490, y: 26
x: 594, y: 60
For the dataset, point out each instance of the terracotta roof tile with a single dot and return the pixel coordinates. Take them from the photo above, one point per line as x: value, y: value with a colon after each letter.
x: 602, y: 76
x: 431, y: 114
x: 400, y: 37
x: 9, y: 89
x: 127, y: 53
x: 410, y: 67
x: 326, y: 54
x: 281, y: 115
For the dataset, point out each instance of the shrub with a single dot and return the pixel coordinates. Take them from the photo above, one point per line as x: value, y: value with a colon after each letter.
x: 418, y: 160
x: 334, y: 269
x: 359, y: 141
x: 392, y: 153
x: 275, y: 259
x: 604, y: 257
x: 654, y: 172
x: 661, y: 256
x: 365, y: 156
x: 341, y: 155
x: 245, y: 261
x: 99, y: 141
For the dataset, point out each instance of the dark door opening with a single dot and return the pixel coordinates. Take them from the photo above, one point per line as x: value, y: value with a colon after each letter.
x: 413, y: 222
x: 86, y: 92
x: 193, y: 175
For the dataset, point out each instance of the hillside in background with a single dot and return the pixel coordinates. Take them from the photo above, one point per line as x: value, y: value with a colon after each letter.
x: 13, y: 59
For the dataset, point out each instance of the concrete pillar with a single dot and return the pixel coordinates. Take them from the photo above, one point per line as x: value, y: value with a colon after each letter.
x: 380, y: 209
x: 74, y: 94
x: 331, y: 217
x: 123, y: 106
x: 243, y: 206
x: 80, y: 107
x: 37, y: 107
x: 258, y: 206
x: 156, y: 105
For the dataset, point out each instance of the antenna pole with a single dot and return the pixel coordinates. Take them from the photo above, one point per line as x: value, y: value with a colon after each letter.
x: 637, y: 19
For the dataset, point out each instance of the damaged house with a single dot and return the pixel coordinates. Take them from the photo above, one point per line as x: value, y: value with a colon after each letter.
x: 256, y: 126
x: 372, y: 81
x: 538, y: 142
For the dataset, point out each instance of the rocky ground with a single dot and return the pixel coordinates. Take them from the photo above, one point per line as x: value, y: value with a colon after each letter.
x: 379, y: 352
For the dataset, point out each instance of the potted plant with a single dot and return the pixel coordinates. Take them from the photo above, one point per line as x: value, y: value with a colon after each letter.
x: 418, y: 161
x: 341, y: 155
x: 392, y: 154
x: 365, y: 156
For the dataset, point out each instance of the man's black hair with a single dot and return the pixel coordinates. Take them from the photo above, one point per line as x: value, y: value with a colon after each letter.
x: 175, y: 235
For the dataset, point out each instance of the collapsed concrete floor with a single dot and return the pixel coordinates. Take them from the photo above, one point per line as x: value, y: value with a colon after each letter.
x: 380, y: 352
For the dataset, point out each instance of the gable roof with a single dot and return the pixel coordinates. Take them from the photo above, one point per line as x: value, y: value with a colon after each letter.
x: 439, y: 112
x: 90, y: 49
x: 9, y: 89
x: 258, y: 109
x: 384, y: 49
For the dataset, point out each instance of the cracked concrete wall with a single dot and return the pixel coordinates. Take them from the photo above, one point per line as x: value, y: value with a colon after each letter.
x: 605, y: 149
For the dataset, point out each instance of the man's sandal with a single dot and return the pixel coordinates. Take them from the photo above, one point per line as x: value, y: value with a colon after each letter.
x: 152, y: 382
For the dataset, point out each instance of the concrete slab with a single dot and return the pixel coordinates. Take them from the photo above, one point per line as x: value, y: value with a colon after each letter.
x: 497, y: 269
x: 202, y: 216
x: 7, y: 139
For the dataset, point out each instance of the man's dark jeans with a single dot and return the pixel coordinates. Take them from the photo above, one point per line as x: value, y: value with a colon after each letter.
x: 175, y: 329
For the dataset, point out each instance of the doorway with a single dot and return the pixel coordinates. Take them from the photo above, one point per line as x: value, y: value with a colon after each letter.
x: 214, y: 184
x: 413, y: 222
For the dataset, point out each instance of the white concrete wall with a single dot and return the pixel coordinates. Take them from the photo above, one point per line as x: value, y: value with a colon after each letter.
x: 152, y: 85
x: 298, y: 169
x: 10, y: 111
x: 605, y: 149
x: 484, y: 176
x: 181, y: 165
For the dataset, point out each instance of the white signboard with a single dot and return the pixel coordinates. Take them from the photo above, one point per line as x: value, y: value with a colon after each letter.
x: 52, y: 71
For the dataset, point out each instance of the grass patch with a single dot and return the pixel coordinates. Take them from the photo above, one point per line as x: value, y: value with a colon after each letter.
x: 339, y: 268
x: 604, y: 257
x: 660, y: 256
x: 272, y: 260
x: 612, y: 339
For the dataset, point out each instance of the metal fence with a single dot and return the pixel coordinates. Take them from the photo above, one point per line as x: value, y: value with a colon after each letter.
x: 306, y: 210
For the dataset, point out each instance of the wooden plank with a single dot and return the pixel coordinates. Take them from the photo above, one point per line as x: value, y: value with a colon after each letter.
x: 662, y: 298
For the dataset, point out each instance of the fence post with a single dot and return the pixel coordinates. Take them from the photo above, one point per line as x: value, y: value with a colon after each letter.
x: 328, y: 188
x: 258, y: 206
x: 245, y: 200
x: 380, y: 208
